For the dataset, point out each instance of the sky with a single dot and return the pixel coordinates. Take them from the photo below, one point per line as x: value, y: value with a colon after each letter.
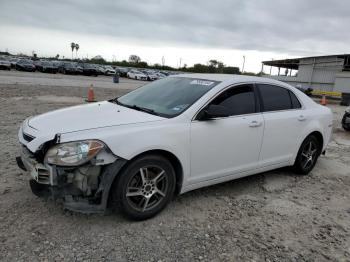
x: 181, y: 31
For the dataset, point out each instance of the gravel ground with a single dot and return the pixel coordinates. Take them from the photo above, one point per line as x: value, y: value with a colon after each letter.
x: 275, y: 216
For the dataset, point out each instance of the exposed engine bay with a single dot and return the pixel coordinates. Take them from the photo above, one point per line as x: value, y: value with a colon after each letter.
x: 84, y: 188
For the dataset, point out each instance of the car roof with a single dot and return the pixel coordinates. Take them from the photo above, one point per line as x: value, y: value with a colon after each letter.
x: 230, y: 78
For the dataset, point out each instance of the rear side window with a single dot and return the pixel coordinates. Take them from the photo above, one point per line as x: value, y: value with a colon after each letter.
x: 275, y: 98
x: 295, y: 102
x: 240, y: 100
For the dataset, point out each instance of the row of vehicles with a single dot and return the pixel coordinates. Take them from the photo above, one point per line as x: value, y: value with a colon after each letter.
x: 147, y: 74
x: 79, y: 68
x: 64, y: 67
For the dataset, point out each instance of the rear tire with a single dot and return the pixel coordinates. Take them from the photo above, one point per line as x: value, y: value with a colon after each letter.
x: 145, y: 187
x: 307, y: 156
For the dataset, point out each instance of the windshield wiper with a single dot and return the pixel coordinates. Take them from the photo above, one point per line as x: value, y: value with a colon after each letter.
x: 135, y: 107
x: 144, y: 109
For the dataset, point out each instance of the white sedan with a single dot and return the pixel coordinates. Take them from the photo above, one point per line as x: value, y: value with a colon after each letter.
x: 108, y: 70
x: 137, y: 75
x: 168, y: 137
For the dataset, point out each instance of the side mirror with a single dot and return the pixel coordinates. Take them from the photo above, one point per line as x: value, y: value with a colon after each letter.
x: 213, y: 111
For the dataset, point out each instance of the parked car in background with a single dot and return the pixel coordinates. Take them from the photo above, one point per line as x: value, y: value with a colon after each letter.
x: 89, y: 69
x: 37, y: 64
x: 165, y: 73
x: 25, y: 65
x: 5, y: 64
x: 305, y: 90
x: 99, y: 68
x: 151, y: 76
x: 160, y: 75
x: 48, y: 67
x: 13, y: 62
x: 109, y: 70
x: 68, y: 68
x: 79, y: 69
x: 123, y: 72
x: 137, y: 75
x: 169, y: 137
x: 346, y: 119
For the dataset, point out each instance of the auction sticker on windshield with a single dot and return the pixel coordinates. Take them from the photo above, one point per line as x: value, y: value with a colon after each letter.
x: 201, y: 82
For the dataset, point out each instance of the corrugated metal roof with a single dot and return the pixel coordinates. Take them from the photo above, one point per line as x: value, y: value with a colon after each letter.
x: 293, y: 63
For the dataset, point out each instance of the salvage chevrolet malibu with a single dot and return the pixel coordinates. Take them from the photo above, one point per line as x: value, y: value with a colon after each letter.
x: 168, y: 137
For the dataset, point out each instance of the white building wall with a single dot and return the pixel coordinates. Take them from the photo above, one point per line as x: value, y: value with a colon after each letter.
x: 342, y: 82
x: 319, y: 73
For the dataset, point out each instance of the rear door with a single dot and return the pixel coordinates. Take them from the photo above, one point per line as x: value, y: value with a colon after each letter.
x: 284, y: 120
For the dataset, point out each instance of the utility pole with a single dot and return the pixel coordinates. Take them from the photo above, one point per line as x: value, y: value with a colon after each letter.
x: 271, y: 67
x: 243, y: 64
x: 163, y: 61
x: 180, y: 62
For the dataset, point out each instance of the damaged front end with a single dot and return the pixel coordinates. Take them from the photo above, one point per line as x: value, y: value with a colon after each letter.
x: 79, y: 173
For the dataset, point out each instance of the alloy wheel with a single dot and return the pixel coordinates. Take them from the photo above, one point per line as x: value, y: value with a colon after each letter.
x: 147, y: 188
x: 308, y: 155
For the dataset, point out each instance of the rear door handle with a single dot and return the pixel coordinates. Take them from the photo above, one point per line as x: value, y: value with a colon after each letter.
x: 255, y: 123
x: 301, y: 118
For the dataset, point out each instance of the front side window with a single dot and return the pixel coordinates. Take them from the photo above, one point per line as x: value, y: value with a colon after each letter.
x: 275, y: 98
x: 239, y: 100
x: 167, y: 97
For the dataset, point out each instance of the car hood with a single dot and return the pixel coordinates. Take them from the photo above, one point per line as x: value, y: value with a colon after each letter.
x: 91, y: 116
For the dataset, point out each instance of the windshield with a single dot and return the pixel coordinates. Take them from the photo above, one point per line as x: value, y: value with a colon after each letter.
x: 167, y: 97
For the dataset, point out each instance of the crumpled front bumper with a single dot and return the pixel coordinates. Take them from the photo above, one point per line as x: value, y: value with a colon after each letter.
x: 58, y: 183
x: 38, y: 172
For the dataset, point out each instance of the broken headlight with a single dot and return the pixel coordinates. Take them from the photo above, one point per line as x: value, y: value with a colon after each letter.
x: 73, y: 153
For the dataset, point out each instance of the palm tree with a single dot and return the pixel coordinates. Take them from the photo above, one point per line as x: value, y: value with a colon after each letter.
x: 72, y: 45
x: 76, y: 50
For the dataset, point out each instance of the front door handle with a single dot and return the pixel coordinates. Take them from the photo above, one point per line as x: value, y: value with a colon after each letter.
x: 301, y: 118
x: 255, y: 123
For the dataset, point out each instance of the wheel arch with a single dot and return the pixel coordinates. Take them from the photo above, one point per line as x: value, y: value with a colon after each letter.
x: 315, y: 133
x: 172, y: 158
x: 318, y: 136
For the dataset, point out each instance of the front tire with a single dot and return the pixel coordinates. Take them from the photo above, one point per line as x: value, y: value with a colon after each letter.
x: 307, y: 156
x: 145, y: 187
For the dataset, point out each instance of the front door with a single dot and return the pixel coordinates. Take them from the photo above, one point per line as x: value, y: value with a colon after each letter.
x: 228, y: 145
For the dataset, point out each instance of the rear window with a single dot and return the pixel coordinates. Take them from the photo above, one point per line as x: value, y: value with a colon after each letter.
x: 275, y: 98
x: 295, y: 102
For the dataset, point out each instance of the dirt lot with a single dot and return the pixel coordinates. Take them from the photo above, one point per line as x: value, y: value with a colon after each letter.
x: 276, y: 216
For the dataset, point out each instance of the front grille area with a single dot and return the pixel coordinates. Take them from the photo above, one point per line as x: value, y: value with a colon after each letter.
x: 27, y: 137
x: 43, y: 176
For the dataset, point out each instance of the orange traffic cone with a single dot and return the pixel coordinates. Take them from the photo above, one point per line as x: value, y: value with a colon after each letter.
x: 91, y: 95
x: 324, y: 100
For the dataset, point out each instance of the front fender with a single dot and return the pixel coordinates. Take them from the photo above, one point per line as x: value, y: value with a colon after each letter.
x: 131, y: 140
